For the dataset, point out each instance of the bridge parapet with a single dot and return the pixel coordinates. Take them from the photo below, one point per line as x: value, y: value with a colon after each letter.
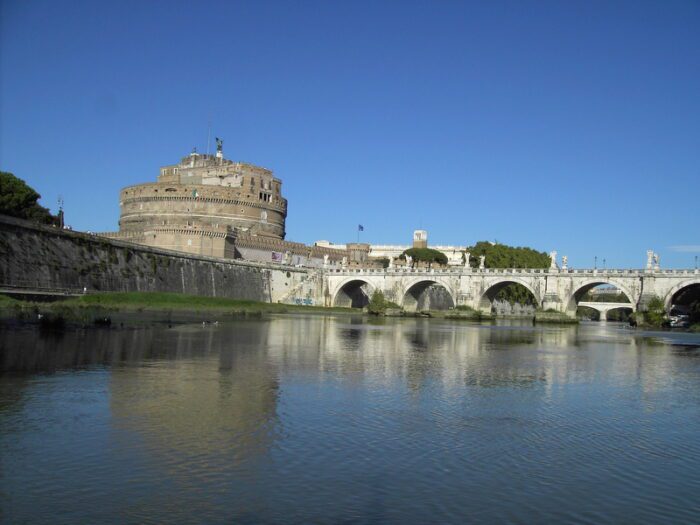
x: 513, y: 271
x: 551, y: 287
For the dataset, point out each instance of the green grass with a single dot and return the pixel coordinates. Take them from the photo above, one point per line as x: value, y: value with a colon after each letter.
x: 177, y: 301
x: 7, y: 301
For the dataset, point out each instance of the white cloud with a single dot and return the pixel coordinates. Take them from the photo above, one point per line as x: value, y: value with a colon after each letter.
x: 686, y: 248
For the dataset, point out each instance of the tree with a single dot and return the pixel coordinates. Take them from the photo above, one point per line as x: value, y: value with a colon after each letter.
x: 384, y: 261
x: 503, y: 256
x: 17, y: 199
x: 425, y: 254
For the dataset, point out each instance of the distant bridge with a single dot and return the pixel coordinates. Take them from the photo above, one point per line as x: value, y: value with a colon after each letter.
x: 561, y: 290
x: 604, y: 308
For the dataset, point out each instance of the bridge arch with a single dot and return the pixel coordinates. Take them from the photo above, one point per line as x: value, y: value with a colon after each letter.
x: 582, y: 288
x: 604, y: 313
x: 427, y: 294
x: 353, y: 293
x: 489, y: 294
x: 680, y: 287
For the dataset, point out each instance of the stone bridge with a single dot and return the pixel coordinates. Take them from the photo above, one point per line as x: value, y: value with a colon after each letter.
x: 559, y: 289
x: 604, y: 308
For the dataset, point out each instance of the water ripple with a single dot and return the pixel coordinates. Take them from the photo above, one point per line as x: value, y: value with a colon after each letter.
x: 298, y: 420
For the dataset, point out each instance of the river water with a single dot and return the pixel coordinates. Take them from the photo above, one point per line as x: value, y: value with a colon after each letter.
x: 311, y: 419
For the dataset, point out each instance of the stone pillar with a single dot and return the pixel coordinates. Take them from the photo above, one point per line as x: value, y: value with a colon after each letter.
x: 551, y: 297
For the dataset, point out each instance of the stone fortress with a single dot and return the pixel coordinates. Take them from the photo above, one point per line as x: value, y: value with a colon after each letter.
x: 210, y: 226
x: 212, y: 206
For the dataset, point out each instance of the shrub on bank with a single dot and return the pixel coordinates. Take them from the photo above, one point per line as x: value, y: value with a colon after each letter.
x: 655, y: 314
x: 378, y: 304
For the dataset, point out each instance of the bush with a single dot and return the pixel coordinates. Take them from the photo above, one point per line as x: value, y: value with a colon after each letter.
x: 378, y: 303
x: 464, y: 308
x: 655, y: 314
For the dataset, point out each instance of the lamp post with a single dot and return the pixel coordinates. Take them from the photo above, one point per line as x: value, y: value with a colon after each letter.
x: 604, y: 266
x: 595, y: 262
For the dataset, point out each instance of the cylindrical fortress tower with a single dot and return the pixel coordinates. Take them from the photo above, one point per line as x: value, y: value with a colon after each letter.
x: 207, y: 192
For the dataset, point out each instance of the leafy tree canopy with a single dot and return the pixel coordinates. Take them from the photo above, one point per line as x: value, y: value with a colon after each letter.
x: 503, y: 256
x: 425, y: 254
x: 17, y: 199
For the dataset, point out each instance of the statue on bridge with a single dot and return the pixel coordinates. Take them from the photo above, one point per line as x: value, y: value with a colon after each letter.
x: 467, y: 255
x: 656, y: 261
x: 553, y: 260
x: 409, y: 261
x: 482, y: 262
x: 564, y: 262
x: 650, y: 258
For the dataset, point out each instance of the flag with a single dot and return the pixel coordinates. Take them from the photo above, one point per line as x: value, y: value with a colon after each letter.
x: 360, y: 228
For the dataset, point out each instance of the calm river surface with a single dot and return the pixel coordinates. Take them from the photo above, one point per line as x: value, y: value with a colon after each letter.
x: 297, y: 419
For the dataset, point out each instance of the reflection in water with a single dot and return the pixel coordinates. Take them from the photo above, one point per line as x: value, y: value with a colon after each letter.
x: 328, y: 419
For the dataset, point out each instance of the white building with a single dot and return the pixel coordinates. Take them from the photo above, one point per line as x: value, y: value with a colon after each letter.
x: 420, y: 239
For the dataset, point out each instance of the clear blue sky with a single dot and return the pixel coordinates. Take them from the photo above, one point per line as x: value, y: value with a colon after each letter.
x: 572, y: 126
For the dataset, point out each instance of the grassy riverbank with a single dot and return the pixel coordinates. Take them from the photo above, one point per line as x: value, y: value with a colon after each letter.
x: 158, y: 301
x: 6, y: 302
x: 130, y: 307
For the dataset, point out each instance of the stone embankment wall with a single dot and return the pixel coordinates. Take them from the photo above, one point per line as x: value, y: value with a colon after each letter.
x: 35, y: 256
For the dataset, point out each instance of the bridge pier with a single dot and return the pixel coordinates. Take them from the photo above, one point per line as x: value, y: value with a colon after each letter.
x: 557, y: 290
x: 554, y: 302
